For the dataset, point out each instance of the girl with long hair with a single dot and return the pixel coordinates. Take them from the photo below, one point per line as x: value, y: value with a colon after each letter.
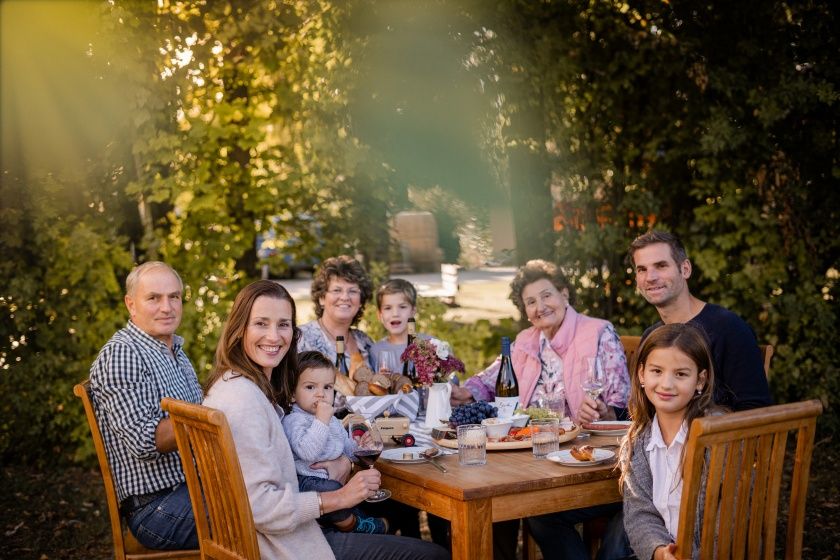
x: 673, y: 384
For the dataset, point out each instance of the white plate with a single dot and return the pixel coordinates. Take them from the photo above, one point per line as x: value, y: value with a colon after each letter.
x: 397, y: 454
x: 564, y: 457
x: 612, y: 432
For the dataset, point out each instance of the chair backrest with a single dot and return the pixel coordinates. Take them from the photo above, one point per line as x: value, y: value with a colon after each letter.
x: 631, y: 346
x: 766, y: 355
x: 126, y: 546
x: 740, y: 457
x: 223, y: 514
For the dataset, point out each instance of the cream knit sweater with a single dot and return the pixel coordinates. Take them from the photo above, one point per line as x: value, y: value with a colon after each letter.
x: 283, y: 516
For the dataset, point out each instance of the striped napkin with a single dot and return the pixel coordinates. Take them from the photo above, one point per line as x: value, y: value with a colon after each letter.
x: 403, y: 404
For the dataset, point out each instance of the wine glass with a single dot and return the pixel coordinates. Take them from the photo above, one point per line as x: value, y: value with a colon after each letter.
x: 369, y: 446
x: 387, y: 362
x: 592, y: 382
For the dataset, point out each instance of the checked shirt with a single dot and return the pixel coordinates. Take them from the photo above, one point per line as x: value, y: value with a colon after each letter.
x: 129, y: 377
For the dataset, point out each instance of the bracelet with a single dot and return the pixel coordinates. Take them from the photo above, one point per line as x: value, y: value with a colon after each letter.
x: 320, y: 505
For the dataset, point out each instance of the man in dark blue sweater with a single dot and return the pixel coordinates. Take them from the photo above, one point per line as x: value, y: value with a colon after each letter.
x: 662, y: 272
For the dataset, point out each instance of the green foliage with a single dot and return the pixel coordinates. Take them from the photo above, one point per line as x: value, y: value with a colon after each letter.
x: 717, y: 120
x: 60, y: 301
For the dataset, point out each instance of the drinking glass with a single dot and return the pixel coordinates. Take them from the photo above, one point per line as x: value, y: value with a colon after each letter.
x: 472, y: 444
x: 369, y: 446
x: 387, y: 362
x: 545, y: 436
x: 592, y: 382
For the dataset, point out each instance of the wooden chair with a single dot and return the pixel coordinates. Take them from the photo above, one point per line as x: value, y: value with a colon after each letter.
x: 631, y: 346
x: 126, y: 546
x: 214, y: 477
x: 766, y: 356
x: 746, y: 452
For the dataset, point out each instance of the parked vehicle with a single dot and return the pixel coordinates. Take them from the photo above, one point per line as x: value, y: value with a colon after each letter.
x: 290, y: 246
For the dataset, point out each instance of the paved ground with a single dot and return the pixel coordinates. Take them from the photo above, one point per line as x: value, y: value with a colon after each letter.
x: 483, y: 293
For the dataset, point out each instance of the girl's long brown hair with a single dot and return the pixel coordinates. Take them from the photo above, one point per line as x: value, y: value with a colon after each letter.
x: 689, y: 340
x: 230, y: 352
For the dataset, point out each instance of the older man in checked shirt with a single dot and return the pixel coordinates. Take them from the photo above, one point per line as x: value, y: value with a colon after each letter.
x: 141, y: 364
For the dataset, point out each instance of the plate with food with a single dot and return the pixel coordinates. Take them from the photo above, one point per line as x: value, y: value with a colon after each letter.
x: 405, y: 455
x: 517, y: 438
x: 607, y: 427
x: 584, y: 456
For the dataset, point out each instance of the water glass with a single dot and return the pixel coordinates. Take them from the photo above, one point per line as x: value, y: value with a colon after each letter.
x: 472, y: 444
x: 545, y: 436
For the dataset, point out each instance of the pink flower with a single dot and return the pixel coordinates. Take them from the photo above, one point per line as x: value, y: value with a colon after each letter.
x: 431, y: 367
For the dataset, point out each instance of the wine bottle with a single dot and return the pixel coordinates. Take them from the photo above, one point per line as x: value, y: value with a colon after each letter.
x: 408, y: 366
x: 507, y: 387
x: 340, y: 358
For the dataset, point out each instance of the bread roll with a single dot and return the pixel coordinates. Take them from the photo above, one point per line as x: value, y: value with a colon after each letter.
x: 401, y: 384
x: 381, y: 381
x: 362, y: 389
x: 377, y: 390
x: 362, y: 373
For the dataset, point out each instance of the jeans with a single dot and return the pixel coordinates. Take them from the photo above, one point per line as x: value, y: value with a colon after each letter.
x: 318, y: 484
x: 559, y: 540
x: 166, y: 523
x: 362, y: 546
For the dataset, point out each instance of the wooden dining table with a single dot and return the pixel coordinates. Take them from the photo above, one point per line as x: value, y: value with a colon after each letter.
x: 512, y: 485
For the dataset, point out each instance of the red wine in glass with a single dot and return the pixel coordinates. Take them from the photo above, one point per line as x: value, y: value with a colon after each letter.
x: 367, y: 456
x: 369, y: 446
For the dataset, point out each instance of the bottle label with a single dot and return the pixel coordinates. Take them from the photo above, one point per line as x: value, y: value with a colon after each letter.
x: 506, y: 406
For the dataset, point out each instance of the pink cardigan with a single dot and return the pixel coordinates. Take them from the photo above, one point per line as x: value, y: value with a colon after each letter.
x: 575, y: 341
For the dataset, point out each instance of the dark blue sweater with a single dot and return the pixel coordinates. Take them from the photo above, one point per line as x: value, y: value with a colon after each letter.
x: 740, y: 382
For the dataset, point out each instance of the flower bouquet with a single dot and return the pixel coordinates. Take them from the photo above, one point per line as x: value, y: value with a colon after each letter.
x: 433, y: 360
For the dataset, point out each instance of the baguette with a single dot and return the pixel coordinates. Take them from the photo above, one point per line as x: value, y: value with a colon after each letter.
x: 345, y: 385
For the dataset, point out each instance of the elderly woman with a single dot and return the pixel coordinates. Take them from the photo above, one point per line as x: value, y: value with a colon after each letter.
x: 550, y: 359
x: 552, y: 356
x: 254, y: 367
x: 340, y: 290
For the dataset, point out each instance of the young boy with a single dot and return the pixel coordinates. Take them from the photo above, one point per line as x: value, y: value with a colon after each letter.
x: 396, y: 302
x: 316, y: 435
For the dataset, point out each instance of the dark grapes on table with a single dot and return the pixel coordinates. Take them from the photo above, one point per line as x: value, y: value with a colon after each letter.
x: 472, y: 413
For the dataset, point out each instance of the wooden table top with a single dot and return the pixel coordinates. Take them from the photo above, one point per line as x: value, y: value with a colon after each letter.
x: 506, y: 473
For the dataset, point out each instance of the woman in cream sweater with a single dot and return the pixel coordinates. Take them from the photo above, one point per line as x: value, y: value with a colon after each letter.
x: 254, y: 359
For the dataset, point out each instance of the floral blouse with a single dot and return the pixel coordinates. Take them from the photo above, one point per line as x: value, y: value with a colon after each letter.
x: 610, y: 359
x: 313, y: 337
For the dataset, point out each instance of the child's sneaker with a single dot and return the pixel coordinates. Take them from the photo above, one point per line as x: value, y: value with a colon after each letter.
x: 372, y: 525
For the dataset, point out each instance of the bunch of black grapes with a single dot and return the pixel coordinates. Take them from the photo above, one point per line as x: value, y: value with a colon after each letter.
x: 472, y: 413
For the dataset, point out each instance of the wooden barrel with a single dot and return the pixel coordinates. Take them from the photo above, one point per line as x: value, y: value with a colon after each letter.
x: 417, y: 235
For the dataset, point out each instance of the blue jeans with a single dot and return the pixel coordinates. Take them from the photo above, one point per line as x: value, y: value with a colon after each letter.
x: 362, y: 546
x: 166, y: 523
x: 559, y: 540
x: 318, y: 484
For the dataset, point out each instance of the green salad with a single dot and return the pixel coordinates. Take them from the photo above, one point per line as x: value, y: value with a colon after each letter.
x: 536, y: 412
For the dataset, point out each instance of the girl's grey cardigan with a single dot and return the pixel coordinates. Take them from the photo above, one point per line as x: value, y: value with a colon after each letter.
x: 644, y: 526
